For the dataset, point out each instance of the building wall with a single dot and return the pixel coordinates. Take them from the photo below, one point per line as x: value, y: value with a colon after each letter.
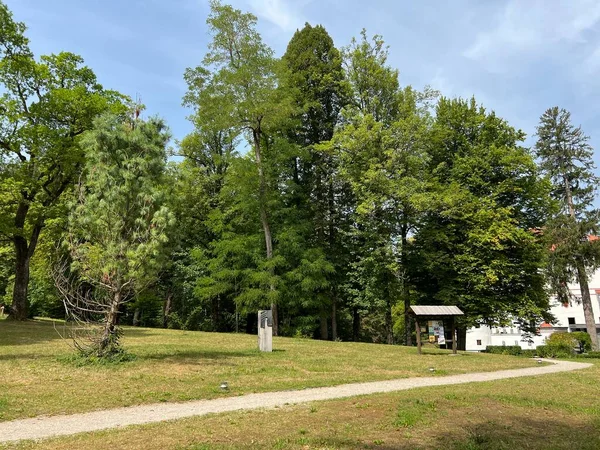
x: 479, y: 338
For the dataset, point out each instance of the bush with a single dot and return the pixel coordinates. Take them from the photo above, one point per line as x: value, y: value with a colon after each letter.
x: 513, y: 350
x: 590, y: 355
x: 561, y: 338
x: 584, y: 340
x: 554, y: 351
x: 528, y: 353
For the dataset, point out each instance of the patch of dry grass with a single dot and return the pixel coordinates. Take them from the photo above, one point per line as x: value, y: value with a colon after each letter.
x: 176, y: 365
x: 559, y: 411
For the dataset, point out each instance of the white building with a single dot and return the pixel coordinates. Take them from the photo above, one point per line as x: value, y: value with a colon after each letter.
x: 568, y: 318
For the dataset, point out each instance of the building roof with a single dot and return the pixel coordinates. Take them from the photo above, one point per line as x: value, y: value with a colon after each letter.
x: 436, y: 310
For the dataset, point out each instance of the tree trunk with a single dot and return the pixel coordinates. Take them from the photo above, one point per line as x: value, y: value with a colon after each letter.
x: 355, y: 325
x: 569, y: 197
x: 334, y: 335
x: 167, y: 309
x: 405, y: 296
x: 588, y: 312
x: 275, y: 312
x: 214, y: 313
x: 136, y: 317
x: 324, y: 329
x: 20, y: 305
x: 389, y: 324
x: 461, y: 337
x: 418, y: 335
x: 389, y: 320
x: 108, y: 341
x: 264, y: 218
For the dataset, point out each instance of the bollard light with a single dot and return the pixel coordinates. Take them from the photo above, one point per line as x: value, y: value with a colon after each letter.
x: 224, y: 386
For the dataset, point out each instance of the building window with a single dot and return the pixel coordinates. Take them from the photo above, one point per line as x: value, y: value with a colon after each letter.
x: 516, y: 343
x: 478, y: 341
x: 571, y: 320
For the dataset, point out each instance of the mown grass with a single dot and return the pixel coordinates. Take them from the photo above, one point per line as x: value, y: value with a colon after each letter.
x: 39, y: 376
x: 558, y: 411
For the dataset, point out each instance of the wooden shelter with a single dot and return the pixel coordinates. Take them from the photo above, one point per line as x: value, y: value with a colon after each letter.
x: 422, y: 314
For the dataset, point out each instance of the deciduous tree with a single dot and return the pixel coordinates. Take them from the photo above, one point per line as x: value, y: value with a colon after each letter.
x: 45, y: 107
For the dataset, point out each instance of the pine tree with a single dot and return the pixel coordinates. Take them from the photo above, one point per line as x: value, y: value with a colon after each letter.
x: 118, y: 225
x: 566, y: 157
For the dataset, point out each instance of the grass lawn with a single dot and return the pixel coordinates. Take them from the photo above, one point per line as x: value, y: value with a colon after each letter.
x: 171, y: 365
x: 559, y: 411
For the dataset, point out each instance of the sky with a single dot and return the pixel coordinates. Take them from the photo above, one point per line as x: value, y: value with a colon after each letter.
x: 516, y: 57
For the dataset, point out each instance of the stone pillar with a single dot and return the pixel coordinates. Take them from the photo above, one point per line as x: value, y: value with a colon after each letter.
x: 265, y: 330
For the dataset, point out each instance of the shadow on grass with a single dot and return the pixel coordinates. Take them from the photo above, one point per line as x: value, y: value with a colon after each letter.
x: 20, y: 357
x: 30, y: 332
x: 520, y: 432
x: 447, y: 353
x: 197, y: 355
x: 523, y: 432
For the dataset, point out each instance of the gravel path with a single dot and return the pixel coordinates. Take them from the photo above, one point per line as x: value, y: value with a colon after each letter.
x: 45, y: 427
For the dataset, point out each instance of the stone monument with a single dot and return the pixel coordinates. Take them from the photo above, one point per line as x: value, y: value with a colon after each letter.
x: 265, y: 330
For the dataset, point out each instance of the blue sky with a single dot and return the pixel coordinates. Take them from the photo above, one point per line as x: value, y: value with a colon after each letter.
x: 517, y: 57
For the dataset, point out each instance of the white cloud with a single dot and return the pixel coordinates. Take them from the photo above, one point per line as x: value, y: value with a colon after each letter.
x: 535, y: 26
x: 592, y: 62
x: 286, y: 15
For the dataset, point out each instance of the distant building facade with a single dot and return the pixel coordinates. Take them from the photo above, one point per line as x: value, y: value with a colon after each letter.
x: 569, y: 318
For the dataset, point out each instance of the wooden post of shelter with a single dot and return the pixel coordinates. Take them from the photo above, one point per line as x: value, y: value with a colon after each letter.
x: 454, y: 335
x: 423, y: 313
x: 418, y: 331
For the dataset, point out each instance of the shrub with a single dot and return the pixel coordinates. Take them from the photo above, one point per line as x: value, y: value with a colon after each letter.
x: 584, y: 340
x: 554, y: 351
x: 590, y: 355
x: 528, y: 353
x: 514, y: 350
x: 561, y: 338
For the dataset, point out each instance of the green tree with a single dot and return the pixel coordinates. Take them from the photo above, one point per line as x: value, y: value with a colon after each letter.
x: 316, y: 81
x: 476, y: 246
x: 566, y: 157
x: 45, y: 107
x: 118, y: 226
x: 236, y: 90
x: 382, y: 153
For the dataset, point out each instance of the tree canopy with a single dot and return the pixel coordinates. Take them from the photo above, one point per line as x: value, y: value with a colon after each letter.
x: 316, y: 183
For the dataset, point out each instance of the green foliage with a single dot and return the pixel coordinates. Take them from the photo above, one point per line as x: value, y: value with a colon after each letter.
x: 566, y: 157
x: 578, y: 339
x: 514, y: 350
x: 47, y: 104
x: 118, y: 225
x: 561, y: 350
x: 594, y: 355
x: 83, y: 359
x: 476, y: 246
x: 314, y: 183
